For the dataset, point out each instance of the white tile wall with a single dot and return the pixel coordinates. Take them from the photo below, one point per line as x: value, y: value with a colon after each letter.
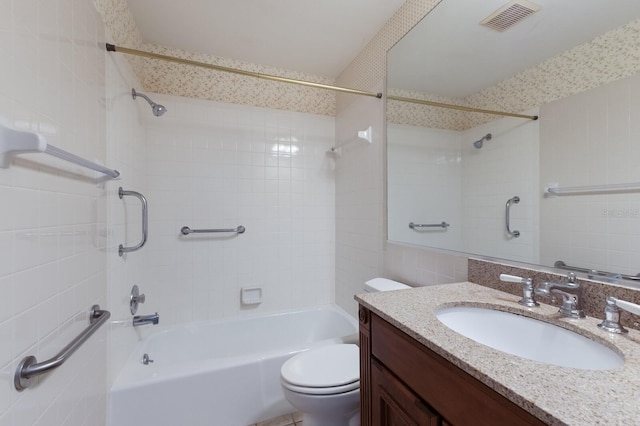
x: 217, y: 165
x: 508, y: 165
x: 357, y: 262
x: 52, y: 221
x: 422, y: 266
x: 361, y: 250
x: 591, y: 139
x: 359, y: 198
x: 424, y: 185
x: 126, y: 151
x: 475, y: 182
x: 59, y: 233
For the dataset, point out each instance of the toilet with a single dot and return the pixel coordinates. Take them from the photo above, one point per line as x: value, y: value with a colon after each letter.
x: 324, y: 383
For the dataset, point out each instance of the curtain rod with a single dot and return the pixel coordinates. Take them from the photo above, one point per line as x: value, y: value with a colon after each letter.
x: 113, y: 48
x: 459, y: 107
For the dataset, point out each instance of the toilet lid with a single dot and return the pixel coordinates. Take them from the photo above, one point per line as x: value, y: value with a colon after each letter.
x: 327, y: 366
x: 383, y: 284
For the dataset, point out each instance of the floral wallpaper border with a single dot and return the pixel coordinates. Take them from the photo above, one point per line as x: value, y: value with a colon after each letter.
x: 609, y: 57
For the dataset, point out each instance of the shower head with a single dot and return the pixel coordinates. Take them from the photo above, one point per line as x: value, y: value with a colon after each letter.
x: 157, y: 109
x: 478, y: 144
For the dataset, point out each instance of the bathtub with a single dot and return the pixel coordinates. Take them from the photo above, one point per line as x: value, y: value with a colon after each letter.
x: 220, y: 373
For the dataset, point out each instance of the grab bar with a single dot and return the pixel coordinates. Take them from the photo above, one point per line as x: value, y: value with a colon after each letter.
x: 145, y: 220
x: 186, y: 230
x: 592, y: 273
x: 514, y: 200
x: 29, y: 367
x: 443, y: 224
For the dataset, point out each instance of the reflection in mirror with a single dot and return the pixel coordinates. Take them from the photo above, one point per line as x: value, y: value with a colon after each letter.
x: 581, y: 81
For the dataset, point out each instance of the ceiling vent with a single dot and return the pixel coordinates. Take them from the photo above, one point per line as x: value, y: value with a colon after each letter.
x: 510, y: 14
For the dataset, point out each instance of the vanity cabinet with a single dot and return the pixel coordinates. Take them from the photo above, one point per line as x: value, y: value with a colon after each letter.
x: 394, y: 404
x: 402, y: 382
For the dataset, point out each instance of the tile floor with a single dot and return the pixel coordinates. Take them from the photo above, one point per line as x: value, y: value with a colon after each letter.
x: 293, y: 419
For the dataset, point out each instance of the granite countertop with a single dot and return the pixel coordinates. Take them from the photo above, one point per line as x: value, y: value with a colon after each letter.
x: 556, y: 395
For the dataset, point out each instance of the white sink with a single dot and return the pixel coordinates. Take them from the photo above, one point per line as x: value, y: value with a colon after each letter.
x: 529, y: 338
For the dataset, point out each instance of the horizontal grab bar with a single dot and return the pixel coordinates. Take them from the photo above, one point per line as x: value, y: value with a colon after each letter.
x: 29, y: 367
x: 186, y: 230
x: 442, y: 224
x: 596, y: 273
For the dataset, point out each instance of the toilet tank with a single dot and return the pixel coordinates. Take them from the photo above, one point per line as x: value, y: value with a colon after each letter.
x: 383, y: 284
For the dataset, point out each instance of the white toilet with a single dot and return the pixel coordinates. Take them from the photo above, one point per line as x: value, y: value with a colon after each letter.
x: 324, y: 383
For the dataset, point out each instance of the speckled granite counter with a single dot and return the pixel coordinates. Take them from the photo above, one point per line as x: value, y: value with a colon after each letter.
x: 556, y: 395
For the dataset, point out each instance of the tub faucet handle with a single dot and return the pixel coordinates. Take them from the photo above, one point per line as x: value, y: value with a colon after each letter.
x: 527, y: 289
x: 135, y: 299
x: 146, y: 360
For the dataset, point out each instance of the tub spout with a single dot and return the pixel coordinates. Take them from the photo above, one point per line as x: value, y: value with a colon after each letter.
x: 146, y: 319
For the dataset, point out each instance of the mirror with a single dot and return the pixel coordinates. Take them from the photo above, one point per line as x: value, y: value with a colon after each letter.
x: 473, y: 179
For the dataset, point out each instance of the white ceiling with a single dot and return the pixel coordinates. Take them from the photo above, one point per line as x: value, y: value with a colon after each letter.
x: 319, y: 37
x: 449, y: 53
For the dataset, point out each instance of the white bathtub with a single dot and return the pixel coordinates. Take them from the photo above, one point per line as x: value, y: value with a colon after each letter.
x: 220, y: 373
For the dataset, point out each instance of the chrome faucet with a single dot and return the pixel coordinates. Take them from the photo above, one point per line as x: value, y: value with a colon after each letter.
x: 527, y: 289
x: 571, y: 293
x: 146, y: 319
x: 611, y: 322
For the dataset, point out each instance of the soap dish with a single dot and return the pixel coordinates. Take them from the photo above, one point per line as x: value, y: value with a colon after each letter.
x: 251, y: 295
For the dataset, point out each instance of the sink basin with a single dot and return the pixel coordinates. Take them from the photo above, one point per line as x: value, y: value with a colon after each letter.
x: 529, y: 338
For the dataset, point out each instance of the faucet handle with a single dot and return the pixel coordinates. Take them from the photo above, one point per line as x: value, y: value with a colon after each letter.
x: 527, y: 289
x: 135, y: 299
x: 146, y: 360
x: 513, y: 278
x: 611, y: 322
x: 627, y: 306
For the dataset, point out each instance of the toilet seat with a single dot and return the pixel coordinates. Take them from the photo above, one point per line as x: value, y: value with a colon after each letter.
x: 327, y: 370
x: 333, y: 390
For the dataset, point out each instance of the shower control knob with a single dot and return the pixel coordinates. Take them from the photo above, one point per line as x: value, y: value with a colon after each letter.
x: 135, y: 299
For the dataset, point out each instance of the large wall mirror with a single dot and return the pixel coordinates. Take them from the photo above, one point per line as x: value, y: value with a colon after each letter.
x: 479, y: 183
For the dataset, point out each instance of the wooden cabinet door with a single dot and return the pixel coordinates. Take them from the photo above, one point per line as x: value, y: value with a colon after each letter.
x: 454, y: 394
x: 393, y: 404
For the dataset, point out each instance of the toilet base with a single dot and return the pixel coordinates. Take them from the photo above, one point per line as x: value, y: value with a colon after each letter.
x: 327, y: 410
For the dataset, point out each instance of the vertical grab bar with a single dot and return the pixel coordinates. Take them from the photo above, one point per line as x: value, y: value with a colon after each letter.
x: 514, y: 200
x: 145, y: 219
